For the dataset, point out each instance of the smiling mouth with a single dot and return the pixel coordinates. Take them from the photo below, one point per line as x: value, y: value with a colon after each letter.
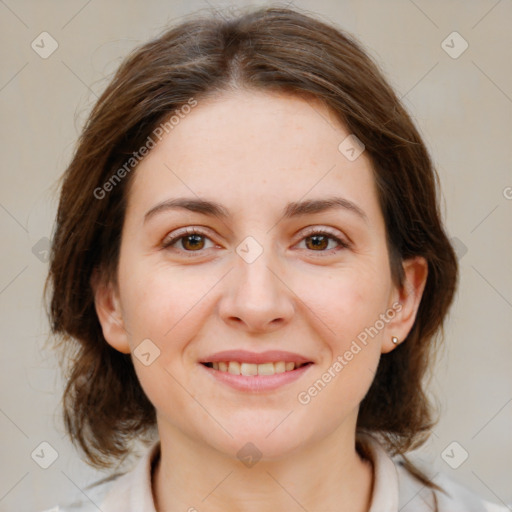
x: 251, y: 369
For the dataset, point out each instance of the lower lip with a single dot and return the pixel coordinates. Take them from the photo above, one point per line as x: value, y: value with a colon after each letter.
x: 257, y: 383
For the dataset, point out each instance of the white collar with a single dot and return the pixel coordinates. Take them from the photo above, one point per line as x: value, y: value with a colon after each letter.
x: 133, y: 491
x: 394, y: 487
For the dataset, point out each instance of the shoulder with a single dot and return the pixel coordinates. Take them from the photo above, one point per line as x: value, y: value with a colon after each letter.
x: 126, y: 492
x: 89, y: 499
x: 455, y: 497
x: 397, y: 488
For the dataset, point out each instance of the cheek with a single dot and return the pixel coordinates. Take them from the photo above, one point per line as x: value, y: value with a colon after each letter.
x: 346, y: 303
x: 346, y: 310
x: 156, y: 300
x: 162, y: 310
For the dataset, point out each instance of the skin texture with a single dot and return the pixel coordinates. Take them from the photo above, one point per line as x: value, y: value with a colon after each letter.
x: 255, y: 152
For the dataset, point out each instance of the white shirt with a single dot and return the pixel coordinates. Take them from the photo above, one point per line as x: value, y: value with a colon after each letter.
x: 394, y: 489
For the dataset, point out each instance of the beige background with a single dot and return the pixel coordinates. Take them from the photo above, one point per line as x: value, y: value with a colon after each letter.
x: 463, y: 107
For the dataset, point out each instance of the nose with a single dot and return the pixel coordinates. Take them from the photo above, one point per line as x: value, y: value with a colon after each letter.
x: 256, y: 297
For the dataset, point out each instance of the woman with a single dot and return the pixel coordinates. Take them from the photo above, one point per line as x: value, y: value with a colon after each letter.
x: 249, y: 271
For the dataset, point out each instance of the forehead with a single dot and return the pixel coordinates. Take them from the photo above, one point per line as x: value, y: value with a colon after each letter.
x: 253, y: 149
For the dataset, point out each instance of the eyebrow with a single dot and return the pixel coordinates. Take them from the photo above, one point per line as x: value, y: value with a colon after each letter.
x: 293, y: 209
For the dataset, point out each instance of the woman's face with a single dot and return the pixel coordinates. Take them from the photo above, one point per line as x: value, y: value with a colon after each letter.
x: 291, y: 260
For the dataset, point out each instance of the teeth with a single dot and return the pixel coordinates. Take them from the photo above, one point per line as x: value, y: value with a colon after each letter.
x: 234, y: 367
x: 265, y: 369
x: 280, y: 367
x: 249, y: 369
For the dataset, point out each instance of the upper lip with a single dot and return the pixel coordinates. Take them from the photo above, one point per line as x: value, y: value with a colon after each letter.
x: 244, y: 356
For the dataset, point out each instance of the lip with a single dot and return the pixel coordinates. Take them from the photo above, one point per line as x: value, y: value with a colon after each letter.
x: 256, y: 383
x: 244, y: 356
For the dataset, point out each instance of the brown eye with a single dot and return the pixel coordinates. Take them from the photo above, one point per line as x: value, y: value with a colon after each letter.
x: 192, y: 242
x: 317, y: 242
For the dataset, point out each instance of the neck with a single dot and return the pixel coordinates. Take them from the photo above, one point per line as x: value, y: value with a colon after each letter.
x: 326, y: 475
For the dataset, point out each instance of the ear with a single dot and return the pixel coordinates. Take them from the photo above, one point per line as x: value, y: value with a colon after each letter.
x: 108, y: 309
x: 406, y: 301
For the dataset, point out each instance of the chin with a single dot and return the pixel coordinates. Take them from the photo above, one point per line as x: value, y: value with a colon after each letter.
x: 260, y: 435
x: 255, y: 446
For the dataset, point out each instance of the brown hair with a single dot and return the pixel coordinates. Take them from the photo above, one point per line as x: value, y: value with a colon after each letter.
x: 271, y: 49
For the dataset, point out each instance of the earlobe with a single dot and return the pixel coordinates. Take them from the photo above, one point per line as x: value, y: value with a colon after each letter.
x: 409, y: 297
x: 108, y: 309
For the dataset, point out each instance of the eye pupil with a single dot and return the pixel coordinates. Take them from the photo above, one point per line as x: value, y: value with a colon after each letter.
x: 319, y: 241
x: 197, y: 239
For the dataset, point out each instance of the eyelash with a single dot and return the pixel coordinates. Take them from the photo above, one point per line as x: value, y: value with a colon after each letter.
x: 312, y: 232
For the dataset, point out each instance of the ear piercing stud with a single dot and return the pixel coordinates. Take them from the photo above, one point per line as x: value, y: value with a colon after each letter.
x: 394, y: 339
